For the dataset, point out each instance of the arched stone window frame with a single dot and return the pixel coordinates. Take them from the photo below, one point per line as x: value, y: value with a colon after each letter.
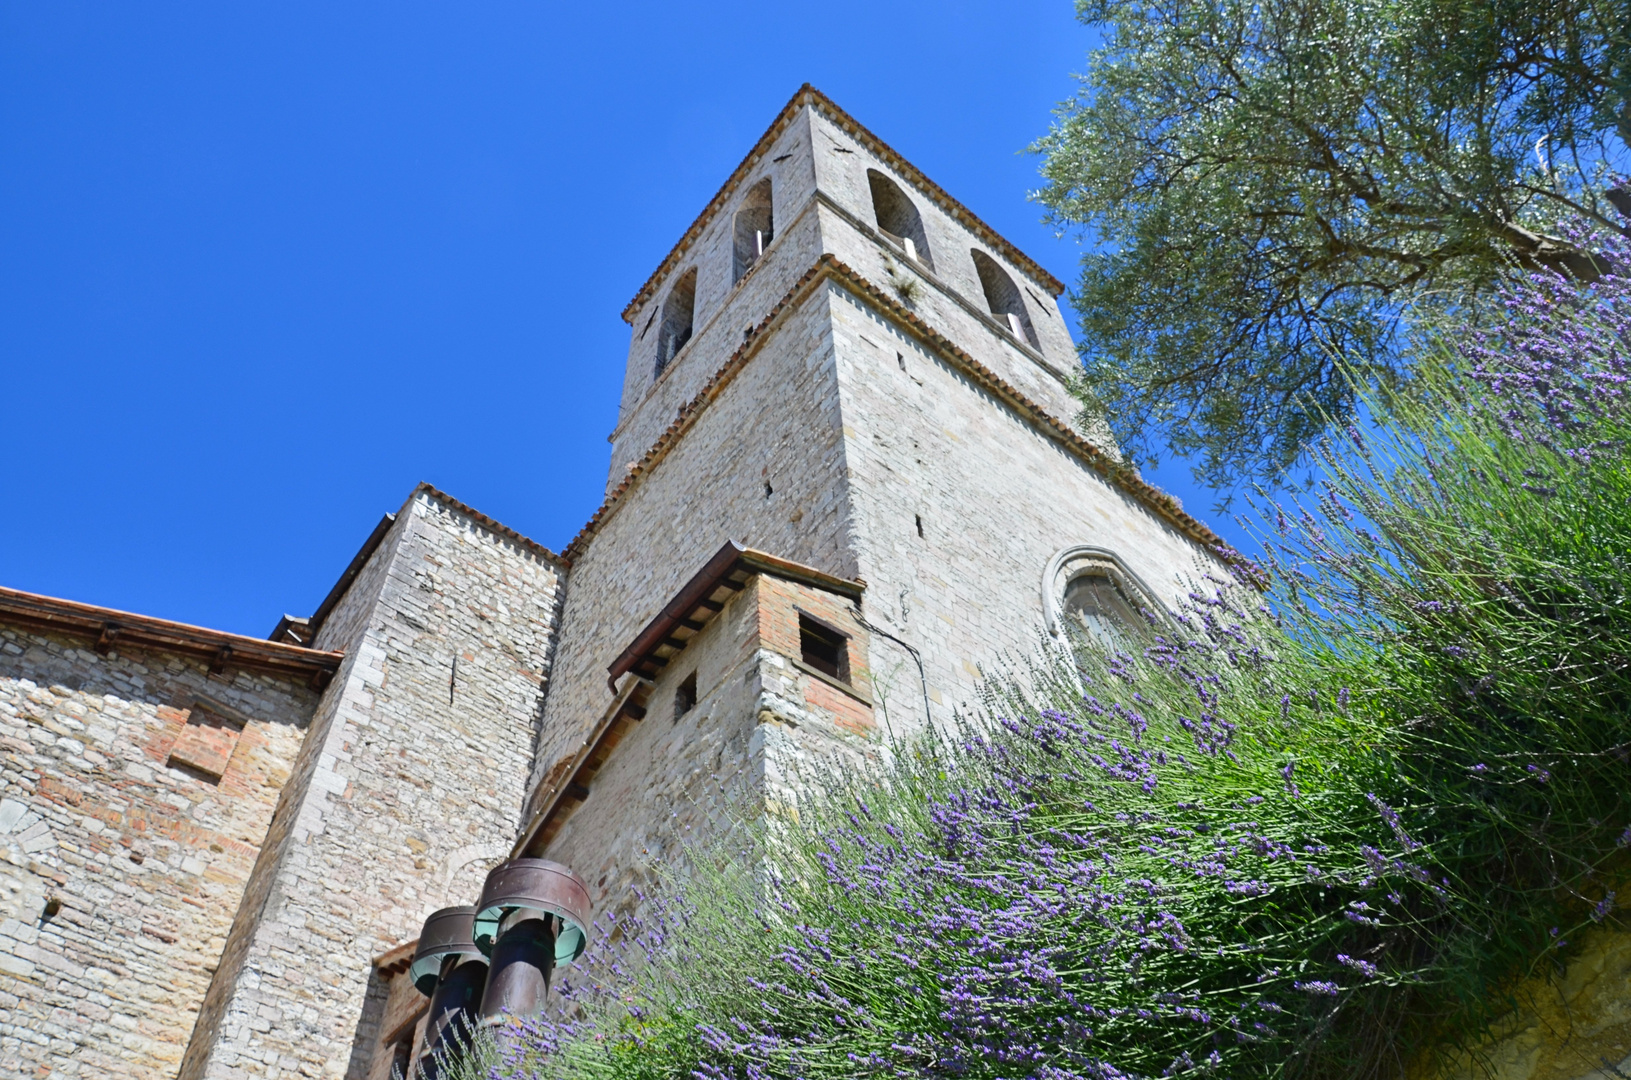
x: 678, y: 320
x: 1071, y: 562
x: 752, y: 228
x: 1004, y: 298
x: 898, y: 217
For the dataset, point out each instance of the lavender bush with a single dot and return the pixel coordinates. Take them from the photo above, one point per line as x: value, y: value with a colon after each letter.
x: 1317, y: 818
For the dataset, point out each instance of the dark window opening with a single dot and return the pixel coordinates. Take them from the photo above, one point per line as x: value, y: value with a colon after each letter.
x: 900, y: 358
x: 898, y: 218
x: 755, y: 227
x: 919, y: 525
x: 1096, y: 603
x: 769, y: 491
x: 686, y: 696
x: 823, y: 649
x: 678, y: 312
x: 1002, y: 296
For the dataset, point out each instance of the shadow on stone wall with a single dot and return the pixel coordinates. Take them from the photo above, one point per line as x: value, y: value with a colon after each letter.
x: 1573, y: 1023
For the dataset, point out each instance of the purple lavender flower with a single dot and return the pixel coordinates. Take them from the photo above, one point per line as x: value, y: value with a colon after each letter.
x: 1291, y: 785
x: 1391, y: 816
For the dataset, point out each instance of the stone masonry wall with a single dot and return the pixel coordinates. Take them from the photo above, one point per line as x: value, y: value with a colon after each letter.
x: 723, y: 308
x: 776, y: 424
x: 996, y: 499
x: 760, y: 718
x: 1569, y: 1023
x: 950, y: 298
x: 946, y: 499
x: 344, y: 628
x: 144, y: 859
x: 416, y: 785
x: 817, y: 155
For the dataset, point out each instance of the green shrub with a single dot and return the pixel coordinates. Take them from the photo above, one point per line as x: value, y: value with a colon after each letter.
x: 1299, y: 831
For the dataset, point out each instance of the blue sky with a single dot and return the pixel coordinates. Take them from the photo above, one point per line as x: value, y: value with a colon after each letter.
x: 265, y: 267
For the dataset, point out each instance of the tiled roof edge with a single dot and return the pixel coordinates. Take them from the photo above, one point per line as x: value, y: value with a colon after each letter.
x: 490, y: 524
x: 828, y: 266
x: 110, y: 628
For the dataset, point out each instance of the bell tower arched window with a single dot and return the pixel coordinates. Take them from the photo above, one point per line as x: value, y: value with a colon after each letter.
x: 755, y: 226
x: 679, y: 310
x: 898, y: 218
x: 1002, y: 296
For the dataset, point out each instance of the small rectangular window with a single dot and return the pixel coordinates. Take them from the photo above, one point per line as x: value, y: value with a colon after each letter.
x: 686, y: 696
x: 823, y: 648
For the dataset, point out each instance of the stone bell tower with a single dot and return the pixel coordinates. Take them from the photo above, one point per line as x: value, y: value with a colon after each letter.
x: 845, y: 472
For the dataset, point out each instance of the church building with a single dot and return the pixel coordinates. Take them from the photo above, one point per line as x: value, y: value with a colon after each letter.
x: 846, y: 472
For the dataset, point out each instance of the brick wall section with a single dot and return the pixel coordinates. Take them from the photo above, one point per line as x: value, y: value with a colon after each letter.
x: 407, y: 799
x: 761, y: 717
x: 828, y: 704
x: 148, y: 862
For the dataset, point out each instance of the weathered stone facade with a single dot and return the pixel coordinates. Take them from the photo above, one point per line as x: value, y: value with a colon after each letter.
x: 121, y: 865
x: 1572, y: 1022
x: 407, y: 790
x: 759, y: 714
x: 845, y: 445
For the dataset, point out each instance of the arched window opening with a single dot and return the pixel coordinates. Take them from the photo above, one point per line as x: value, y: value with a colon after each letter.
x: 1094, y: 601
x: 898, y: 218
x: 678, y: 312
x: 1090, y: 589
x: 1003, y: 297
x: 755, y: 227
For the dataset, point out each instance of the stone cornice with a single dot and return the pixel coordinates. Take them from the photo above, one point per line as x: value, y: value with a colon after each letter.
x: 826, y: 268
